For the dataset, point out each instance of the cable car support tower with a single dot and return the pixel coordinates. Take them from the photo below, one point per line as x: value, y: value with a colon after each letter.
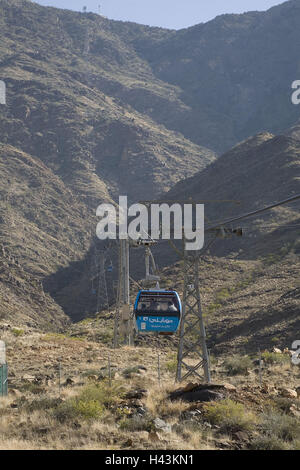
x: 192, y: 356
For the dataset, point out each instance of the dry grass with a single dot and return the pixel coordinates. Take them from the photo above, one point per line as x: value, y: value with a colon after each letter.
x: 158, y: 403
x: 97, y: 415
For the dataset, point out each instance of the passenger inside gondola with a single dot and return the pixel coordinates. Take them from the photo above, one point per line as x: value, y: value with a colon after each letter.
x: 143, y: 306
x: 157, y: 306
x: 171, y: 307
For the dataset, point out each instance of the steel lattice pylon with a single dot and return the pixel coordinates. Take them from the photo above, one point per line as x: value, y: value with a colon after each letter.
x: 123, y: 322
x: 192, y: 337
x: 118, y: 303
x: 102, y: 294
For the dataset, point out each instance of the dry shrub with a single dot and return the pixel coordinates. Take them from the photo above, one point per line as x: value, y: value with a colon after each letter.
x: 238, y: 365
x: 230, y: 416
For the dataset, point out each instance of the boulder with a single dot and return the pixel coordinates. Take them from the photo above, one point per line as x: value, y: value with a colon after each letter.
x: 200, y: 393
x: 28, y: 378
x: 161, y: 425
x: 294, y: 411
x: 241, y: 436
x: 288, y: 393
x: 203, y: 395
x: 229, y: 387
x: 189, y: 387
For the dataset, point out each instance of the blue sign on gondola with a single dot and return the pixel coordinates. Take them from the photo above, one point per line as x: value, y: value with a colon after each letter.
x: 153, y: 323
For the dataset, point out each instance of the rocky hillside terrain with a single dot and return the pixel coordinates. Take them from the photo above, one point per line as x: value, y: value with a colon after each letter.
x: 232, y: 74
x: 258, y: 172
x: 99, y: 108
x: 247, y: 305
x: 67, y: 144
x: 64, y: 395
x: 60, y: 69
x: 43, y: 227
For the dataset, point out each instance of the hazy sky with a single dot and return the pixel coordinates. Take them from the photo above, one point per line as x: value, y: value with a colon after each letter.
x: 167, y: 13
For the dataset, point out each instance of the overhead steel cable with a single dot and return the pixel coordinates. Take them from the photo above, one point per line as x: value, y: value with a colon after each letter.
x: 250, y: 214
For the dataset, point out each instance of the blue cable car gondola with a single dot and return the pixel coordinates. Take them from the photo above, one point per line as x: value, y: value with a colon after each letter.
x: 157, y: 311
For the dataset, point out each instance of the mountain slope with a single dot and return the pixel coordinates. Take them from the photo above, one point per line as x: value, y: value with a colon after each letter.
x: 247, y: 305
x: 97, y: 108
x: 216, y: 83
x: 234, y: 73
x: 260, y: 171
x: 66, y: 145
x: 43, y: 228
x: 61, y: 70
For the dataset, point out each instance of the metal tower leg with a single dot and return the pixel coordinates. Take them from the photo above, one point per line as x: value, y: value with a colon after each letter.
x: 102, y: 295
x: 192, y: 342
x: 123, y: 321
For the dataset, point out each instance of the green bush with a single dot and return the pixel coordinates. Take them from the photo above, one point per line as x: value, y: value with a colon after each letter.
x: 214, y: 307
x: 103, y: 393
x: 275, y: 358
x: 171, y: 366
x: 105, y: 337
x: 88, y: 409
x: 66, y: 411
x: 90, y: 403
x: 281, y: 426
x: 17, y: 332
x: 268, y: 443
x: 230, y: 416
x: 275, y: 340
x: 238, y: 365
x: 282, y: 404
x: 245, y: 282
x: 76, y: 408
